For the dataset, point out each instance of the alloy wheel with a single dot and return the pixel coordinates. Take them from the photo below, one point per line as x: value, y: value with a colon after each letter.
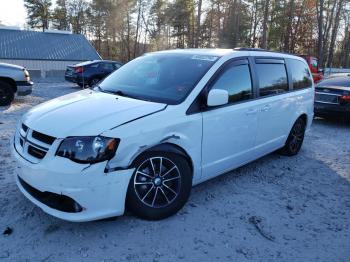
x: 297, y: 136
x: 157, y: 182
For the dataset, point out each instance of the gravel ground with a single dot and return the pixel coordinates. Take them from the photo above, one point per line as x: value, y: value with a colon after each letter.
x: 274, y: 209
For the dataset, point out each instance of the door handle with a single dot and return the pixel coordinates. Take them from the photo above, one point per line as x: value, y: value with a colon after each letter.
x: 251, y: 112
x: 266, y: 108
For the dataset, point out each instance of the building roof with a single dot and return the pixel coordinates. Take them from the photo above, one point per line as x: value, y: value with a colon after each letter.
x: 33, y: 45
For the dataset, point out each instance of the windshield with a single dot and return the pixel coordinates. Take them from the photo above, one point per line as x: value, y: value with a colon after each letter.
x: 164, y: 78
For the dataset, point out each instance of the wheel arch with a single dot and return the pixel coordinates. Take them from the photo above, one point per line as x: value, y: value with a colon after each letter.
x: 301, y: 115
x: 170, y: 148
x: 11, y: 82
x: 304, y: 117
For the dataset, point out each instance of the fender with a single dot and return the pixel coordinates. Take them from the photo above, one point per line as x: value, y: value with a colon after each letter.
x: 164, y: 147
x: 168, y: 147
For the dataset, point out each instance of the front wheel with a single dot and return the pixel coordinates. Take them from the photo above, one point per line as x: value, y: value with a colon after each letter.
x: 295, y: 138
x: 6, y: 94
x: 160, y: 185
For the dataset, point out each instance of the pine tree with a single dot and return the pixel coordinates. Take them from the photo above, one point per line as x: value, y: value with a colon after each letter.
x: 60, y: 15
x: 39, y: 13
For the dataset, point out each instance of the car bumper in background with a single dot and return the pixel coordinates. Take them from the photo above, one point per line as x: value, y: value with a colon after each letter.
x: 24, y: 88
x: 74, y: 79
x: 72, y: 191
x: 335, y: 110
x: 69, y: 78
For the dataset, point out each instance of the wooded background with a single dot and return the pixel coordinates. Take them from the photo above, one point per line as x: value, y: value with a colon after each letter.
x: 124, y: 29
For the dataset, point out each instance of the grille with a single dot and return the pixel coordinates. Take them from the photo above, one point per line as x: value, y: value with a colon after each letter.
x: 35, y: 152
x: 42, y: 137
x: 24, y: 127
x: 31, y: 144
x: 327, y: 98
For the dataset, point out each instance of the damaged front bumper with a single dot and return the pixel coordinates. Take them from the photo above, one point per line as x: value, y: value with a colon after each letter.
x: 72, y: 191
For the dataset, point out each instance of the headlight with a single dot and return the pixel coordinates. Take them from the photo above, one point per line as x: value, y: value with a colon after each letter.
x: 88, y: 149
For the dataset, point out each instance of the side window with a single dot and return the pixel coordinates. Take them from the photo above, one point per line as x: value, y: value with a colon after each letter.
x: 107, y: 67
x: 272, y: 79
x: 116, y: 66
x: 94, y: 65
x: 300, y: 74
x: 237, y: 81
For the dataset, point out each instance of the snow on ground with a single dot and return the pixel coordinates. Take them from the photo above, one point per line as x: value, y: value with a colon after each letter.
x: 274, y: 209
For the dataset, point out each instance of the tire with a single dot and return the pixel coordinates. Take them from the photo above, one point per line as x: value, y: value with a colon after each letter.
x: 94, y: 82
x: 154, y: 195
x: 6, y: 93
x: 295, y: 138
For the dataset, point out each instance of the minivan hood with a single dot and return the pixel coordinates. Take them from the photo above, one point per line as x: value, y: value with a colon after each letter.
x: 86, y: 113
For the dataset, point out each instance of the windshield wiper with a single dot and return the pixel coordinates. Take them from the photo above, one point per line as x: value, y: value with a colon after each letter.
x: 104, y: 90
x: 99, y: 88
x: 122, y: 93
x: 118, y: 92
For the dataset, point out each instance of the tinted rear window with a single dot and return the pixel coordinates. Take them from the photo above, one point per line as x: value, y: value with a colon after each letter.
x: 300, y: 74
x: 272, y: 79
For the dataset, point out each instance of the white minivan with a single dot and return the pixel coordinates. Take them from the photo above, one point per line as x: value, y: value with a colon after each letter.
x: 159, y: 125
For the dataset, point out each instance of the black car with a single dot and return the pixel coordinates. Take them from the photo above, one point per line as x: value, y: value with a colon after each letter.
x: 332, y: 98
x: 91, y: 72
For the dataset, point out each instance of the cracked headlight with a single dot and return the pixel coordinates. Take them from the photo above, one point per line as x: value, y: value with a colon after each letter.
x: 88, y: 149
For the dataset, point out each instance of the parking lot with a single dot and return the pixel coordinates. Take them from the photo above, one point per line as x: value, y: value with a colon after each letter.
x: 274, y: 209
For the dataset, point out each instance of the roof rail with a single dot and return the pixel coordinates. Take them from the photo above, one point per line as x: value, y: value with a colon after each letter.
x: 261, y: 50
x: 249, y: 49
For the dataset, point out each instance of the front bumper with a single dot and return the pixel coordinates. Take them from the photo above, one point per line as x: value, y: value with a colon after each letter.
x: 94, y: 194
x: 24, y: 88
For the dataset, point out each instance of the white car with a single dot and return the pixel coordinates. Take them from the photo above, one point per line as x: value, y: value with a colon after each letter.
x: 14, y: 81
x: 147, y: 134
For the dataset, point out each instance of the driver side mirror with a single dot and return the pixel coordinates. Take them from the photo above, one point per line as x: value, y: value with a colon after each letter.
x: 217, y: 97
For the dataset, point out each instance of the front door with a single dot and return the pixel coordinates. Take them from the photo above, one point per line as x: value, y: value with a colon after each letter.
x: 229, y: 131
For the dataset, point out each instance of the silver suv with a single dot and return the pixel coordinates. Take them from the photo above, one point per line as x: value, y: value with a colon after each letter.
x: 13, y: 80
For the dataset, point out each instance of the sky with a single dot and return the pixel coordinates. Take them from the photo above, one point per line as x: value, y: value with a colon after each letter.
x: 12, y: 13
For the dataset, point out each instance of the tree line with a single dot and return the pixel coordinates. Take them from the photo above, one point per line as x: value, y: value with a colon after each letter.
x: 125, y: 29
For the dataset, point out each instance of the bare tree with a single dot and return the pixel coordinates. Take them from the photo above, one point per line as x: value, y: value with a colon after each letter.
x: 265, y: 21
x: 334, y: 33
x: 320, y: 10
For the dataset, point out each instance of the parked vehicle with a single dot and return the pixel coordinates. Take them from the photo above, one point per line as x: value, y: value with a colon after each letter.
x: 337, y: 75
x: 14, y: 80
x: 317, y: 73
x: 91, y: 72
x: 333, y: 97
x: 160, y: 124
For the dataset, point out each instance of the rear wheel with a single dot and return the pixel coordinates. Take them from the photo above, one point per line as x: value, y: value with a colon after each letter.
x: 6, y: 93
x: 160, y: 185
x: 295, y: 138
x: 94, y: 82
